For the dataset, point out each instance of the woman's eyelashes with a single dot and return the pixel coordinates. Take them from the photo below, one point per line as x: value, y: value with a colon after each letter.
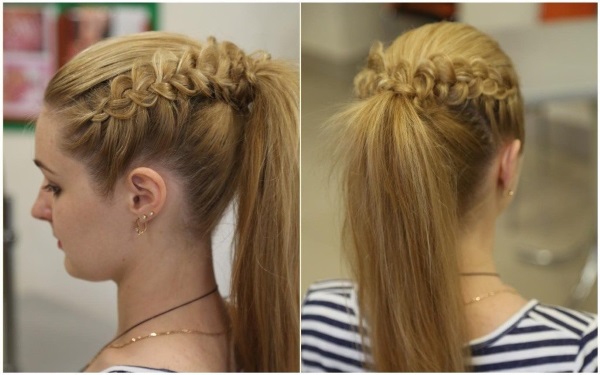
x: 54, y: 189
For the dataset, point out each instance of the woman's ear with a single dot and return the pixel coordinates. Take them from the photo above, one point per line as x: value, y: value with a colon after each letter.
x: 509, y: 166
x: 146, y: 191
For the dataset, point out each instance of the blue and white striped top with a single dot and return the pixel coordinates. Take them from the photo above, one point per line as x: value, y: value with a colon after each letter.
x: 134, y: 369
x: 538, y: 338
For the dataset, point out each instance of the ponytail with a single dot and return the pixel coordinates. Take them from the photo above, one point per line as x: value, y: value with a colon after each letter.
x: 265, y: 267
x: 434, y: 109
x: 401, y: 221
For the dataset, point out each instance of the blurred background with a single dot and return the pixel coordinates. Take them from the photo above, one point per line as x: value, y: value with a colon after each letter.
x: 52, y: 322
x: 546, y: 243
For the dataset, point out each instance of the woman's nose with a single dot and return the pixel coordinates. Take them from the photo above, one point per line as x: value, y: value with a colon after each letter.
x: 41, y: 208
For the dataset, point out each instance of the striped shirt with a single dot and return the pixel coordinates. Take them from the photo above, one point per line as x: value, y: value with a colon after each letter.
x: 538, y: 338
x: 132, y: 369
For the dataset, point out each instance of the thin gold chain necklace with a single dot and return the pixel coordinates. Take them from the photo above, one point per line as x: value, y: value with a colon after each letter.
x: 154, y: 334
x: 133, y: 340
x: 490, y: 294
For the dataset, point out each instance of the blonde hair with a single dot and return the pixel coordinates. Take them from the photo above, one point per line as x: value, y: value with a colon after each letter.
x: 433, y: 110
x: 227, y: 124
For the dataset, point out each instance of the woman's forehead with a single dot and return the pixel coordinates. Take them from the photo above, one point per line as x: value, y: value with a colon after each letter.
x: 47, y: 151
x: 45, y: 129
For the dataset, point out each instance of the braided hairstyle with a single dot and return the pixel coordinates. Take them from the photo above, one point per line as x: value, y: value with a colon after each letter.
x: 227, y: 124
x: 433, y: 110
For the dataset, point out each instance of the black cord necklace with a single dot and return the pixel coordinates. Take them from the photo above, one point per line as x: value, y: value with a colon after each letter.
x: 164, y: 312
x: 149, y: 319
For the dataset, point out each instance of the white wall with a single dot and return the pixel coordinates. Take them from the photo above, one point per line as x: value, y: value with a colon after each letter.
x: 271, y: 27
x: 555, y: 60
x: 490, y: 17
x: 38, y: 265
x: 340, y: 32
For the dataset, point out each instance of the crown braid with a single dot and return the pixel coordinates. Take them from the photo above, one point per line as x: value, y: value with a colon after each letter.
x: 450, y: 81
x: 218, y: 71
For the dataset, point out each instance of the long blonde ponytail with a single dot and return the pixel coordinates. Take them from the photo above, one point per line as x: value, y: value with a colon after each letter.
x: 434, y: 108
x: 266, y: 262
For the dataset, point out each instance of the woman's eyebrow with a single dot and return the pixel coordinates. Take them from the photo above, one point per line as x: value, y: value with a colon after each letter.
x: 42, y: 166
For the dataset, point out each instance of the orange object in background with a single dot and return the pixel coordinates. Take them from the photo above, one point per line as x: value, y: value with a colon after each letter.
x: 561, y: 11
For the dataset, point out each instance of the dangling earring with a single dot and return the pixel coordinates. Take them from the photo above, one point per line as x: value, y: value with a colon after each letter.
x: 141, y: 223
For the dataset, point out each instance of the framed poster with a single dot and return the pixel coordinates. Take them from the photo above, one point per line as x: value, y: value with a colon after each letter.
x: 29, y: 58
x: 40, y: 38
x: 80, y: 27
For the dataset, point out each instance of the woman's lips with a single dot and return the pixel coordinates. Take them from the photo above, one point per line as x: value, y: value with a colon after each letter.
x: 59, y: 245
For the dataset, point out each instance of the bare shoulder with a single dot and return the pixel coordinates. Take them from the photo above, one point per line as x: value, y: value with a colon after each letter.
x: 178, y: 354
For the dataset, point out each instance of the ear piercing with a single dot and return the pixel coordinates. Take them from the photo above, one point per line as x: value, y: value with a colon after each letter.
x: 141, y: 223
x: 510, y: 193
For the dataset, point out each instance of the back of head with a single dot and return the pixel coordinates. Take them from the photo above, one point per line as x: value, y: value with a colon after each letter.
x: 226, y: 124
x: 434, y: 108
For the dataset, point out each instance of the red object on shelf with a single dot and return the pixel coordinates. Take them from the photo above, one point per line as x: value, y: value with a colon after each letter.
x: 79, y: 28
x: 440, y: 11
x: 561, y: 11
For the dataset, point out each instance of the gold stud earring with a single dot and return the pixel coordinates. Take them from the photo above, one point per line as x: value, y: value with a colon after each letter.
x: 510, y: 193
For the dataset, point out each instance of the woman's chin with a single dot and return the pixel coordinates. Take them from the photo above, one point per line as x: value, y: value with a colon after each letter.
x: 71, y: 270
x: 78, y: 273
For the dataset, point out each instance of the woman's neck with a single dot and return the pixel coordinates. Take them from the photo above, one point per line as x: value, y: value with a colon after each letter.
x: 166, y: 274
x: 476, y: 254
x: 476, y: 247
x: 160, y: 273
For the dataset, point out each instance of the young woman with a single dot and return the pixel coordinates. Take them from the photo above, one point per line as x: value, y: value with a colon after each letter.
x: 144, y: 141
x: 430, y: 155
